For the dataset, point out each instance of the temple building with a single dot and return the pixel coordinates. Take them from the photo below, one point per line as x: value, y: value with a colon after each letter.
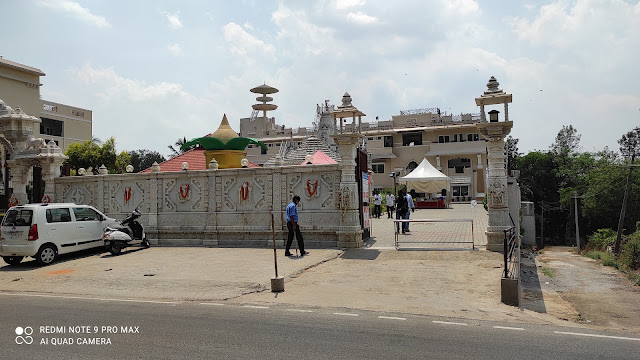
x: 451, y: 143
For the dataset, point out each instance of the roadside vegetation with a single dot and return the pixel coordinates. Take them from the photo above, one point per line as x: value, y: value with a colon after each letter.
x: 600, y: 247
x: 602, y: 187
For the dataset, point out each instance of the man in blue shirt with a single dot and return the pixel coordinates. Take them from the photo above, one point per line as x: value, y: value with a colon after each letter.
x: 292, y: 226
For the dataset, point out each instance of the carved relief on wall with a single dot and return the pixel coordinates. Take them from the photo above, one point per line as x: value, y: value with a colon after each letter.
x: 126, y: 196
x: 311, y: 190
x: 496, y: 193
x: 228, y: 185
x: 167, y: 186
x: 184, y: 194
x: 78, y: 194
x: 328, y: 181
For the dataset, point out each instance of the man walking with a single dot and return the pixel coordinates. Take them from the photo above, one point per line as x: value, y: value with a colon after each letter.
x: 292, y: 226
x: 410, y: 208
x: 401, y: 210
x: 391, y: 203
x: 377, y: 201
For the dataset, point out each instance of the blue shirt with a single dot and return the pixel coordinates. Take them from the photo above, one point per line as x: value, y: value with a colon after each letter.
x: 292, y: 212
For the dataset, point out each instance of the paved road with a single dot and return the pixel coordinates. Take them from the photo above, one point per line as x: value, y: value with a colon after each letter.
x: 193, y: 330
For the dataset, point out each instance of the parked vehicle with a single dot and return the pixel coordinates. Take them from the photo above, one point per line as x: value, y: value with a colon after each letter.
x: 45, y: 231
x: 130, y: 233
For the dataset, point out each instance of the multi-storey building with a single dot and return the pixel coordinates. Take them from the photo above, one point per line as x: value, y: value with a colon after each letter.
x: 64, y: 124
x: 451, y: 143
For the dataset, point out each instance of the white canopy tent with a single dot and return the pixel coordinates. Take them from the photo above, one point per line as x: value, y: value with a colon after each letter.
x: 425, y: 178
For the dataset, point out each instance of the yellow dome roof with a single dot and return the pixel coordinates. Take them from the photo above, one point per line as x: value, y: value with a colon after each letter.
x: 224, y: 132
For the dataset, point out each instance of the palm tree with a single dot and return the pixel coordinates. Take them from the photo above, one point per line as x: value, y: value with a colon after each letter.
x: 176, y: 148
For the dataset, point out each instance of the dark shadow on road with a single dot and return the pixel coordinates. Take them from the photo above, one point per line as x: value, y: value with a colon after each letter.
x: 124, y: 252
x: 532, y: 298
x: 29, y: 264
x: 360, y: 254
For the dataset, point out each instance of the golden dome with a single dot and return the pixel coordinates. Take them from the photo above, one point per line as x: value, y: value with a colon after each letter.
x: 224, y: 132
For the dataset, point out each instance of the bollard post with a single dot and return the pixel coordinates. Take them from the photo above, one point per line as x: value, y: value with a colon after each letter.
x: 277, y: 282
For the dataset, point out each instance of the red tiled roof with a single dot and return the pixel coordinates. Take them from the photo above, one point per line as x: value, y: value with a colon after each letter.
x: 319, y: 157
x: 194, y: 157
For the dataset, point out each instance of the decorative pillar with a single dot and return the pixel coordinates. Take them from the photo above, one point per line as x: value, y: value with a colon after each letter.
x: 497, y: 195
x: 349, y: 232
x: 19, y: 179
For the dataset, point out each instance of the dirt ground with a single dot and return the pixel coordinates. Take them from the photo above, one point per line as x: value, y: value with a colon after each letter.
x: 579, y: 290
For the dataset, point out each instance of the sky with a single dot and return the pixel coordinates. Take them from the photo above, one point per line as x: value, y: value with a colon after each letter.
x: 153, y: 71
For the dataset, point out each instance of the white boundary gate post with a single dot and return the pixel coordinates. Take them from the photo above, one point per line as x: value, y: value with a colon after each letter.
x: 397, y: 237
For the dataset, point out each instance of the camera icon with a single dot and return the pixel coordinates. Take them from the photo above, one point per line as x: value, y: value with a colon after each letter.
x: 27, y: 338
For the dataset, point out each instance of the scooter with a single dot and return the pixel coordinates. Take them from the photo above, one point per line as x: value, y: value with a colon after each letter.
x: 131, y: 233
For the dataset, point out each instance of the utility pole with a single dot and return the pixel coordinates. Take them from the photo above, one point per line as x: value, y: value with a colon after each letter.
x: 616, y: 248
x: 575, y: 198
x: 542, y: 226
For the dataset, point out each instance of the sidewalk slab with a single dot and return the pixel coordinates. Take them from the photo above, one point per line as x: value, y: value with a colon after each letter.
x: 159, y: 273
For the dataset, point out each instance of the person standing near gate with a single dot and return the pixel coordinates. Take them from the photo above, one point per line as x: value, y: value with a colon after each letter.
x: 292, y: 226
x: 377, y: 201
x: 401, y: 210
x: 410, y: 207
x: 391, y: 203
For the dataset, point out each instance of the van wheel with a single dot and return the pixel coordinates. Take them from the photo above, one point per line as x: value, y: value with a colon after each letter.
x: 115, y: 248
x: 46, y: 255
x: 12, y: 260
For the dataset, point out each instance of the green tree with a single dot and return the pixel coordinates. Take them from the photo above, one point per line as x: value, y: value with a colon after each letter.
x: 177, y: 147
x: 511, y: 152
x: 630, y: 148
x: 122, y: 160
x: 143, y: 159
x: 92, y: 155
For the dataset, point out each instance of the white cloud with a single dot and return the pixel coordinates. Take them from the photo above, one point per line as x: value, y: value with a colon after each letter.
x: 74, y: 10
x: 175, y: 49
x: 460, y: 7
x: 242, y: 42
x: 247, y: 26
x: 347, y: 4
x: 361, y: 18
x: 299, y: 36
x: 583, y: 22
x: 114, y: 86
x: 174, y: 20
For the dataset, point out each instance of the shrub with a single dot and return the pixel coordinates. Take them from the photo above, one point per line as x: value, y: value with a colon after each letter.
x: 630, y: 256
x: 608, y: 259
x: 601, y: 239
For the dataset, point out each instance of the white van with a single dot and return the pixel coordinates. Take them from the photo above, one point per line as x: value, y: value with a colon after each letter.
x: 45, y: 231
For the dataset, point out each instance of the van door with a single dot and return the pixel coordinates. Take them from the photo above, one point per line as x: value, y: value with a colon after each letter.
x: 16, y: 225
x: 61, y: 229
x: 89, y: 227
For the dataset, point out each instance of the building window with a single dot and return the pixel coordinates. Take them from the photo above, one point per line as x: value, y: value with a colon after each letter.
x: 460, y: 190
x: 378, y: 168
x: 379, y: 138
x: 388, y: 141
x: 370, y: 138
x: 51, y: 127
x: 459, y: 169
x: 473, y: 137
x: 412, y: 166
x: 411, y: 139
x: 459, y: 162
x: 443, y: 139
x: 263, y: 151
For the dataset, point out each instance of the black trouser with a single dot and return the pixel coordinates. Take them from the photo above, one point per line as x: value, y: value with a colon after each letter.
x: 298, y: 237
x: 390, y: 211
x: 377, y: 211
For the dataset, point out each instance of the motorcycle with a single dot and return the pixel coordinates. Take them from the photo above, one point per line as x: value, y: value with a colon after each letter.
x: 131, y: 233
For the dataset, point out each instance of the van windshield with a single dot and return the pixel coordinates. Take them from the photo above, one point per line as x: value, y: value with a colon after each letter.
x: 18, y: 218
